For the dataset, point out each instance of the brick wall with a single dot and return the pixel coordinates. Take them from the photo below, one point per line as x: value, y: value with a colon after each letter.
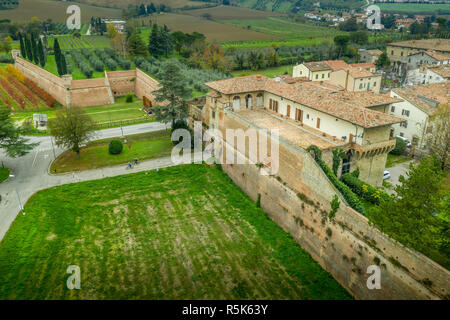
x: 89, y: 92
x: 52, y: 84
x: 344, y: 246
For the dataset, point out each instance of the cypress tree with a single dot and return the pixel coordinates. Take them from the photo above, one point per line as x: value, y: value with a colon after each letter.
x: 41, y: 54
x: 22, y: 47
x: 63, y: 64
x: 28, y: 48
x: 57, y: 51
x: 35, y: 50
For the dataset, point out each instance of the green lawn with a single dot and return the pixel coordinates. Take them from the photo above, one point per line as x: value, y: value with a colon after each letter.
x: 293, y: 34
x: 414, y: 7
x: 4, y: 174
x: 393, y: 160
x: 121, y: 110
x: 269, y: 72
x: 184, y: 232
x: 95, y: 154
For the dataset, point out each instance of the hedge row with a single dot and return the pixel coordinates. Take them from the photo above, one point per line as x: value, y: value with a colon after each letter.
x: 81, y: 63
x: 68, y: 63
x: 123, y: 63
x: 110, y: 63
x: 364, y: 190
x: 346, y: 192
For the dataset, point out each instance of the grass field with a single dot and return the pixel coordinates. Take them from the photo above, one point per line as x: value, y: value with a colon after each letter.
x: 178, y: 233
x: 231, y: 13
x: 283, y: 28
x: 4, y: 174
x: 269, y: 72
x: 69, y: 42
x: 126, y: 3
x: 121, y: 110
x: 214, y: 31
x: 414, y: 7
x: 95, y: 155
x: 55, y: 10
x: 393, y: 160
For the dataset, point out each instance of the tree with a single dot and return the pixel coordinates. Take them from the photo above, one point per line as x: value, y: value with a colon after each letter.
x: 11, y: 138
x: 136, y: 45
x: 359, y: 37
x: 439, y: 139
x: 399, y: 148
x: 71, y: 128
x: 57, y: 52
x: 341, y: 42
x: 63, y: 64
x: 383, y: 61
x: 349, y: 25
x: 155, y: 44
x: 174, y: 92
x: 166, y: 41
x: 29, y: 49
x: 418, y: 215
x: 41, y: 54
x: 120, y: 44
x: 22, y: 46
x: 214, y: 58
x: 35, y: 50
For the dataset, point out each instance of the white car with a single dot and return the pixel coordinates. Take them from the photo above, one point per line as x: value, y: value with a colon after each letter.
x: 386, y: 175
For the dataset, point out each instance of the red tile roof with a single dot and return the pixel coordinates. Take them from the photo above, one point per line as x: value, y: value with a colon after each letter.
x: 320, y: 96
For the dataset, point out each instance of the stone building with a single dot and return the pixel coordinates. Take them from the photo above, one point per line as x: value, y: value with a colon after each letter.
x: 400, y: 52
x: 310, y: 113
x: 418, y: 106
x: 369, y: 55
x: 351, y: 77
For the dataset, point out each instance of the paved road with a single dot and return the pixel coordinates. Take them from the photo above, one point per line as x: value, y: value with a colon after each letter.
x: 31, y: 171
x: 396, y: 172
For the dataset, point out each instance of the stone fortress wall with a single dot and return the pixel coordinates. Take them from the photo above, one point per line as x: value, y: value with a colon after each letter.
x: 298, y: 199
x: 88, y: 92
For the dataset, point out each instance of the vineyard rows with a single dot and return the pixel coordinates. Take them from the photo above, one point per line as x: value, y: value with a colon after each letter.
x: 18, y: 92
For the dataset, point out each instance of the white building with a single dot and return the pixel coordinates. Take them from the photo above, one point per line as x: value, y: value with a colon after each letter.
x: 419, y: 103
x: 428, y: 74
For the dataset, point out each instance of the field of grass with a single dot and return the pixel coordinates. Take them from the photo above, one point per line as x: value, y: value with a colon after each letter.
x: 214, y: 31
x: 55, y: 10
x: 4, y: 174
x: 414, y: 7
x: 121, y: 110
x: 69, y: 42
x: 95, y: 155
x: 232, y: 13
x: 393, y: 160
x: 184, y: 232
x: 126, y: 3
x: 269, y: 72
x: 283, y: 28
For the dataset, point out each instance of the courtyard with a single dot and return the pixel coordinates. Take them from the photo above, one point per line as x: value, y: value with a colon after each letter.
x: 184, y: 232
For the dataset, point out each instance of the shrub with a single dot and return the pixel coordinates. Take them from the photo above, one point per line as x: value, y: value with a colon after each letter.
x: 115, y: 147
x: 6, y: 58
x: 129, y: 98
x: 346, y: 192
x: 400, y: 147
x: 364, y: 190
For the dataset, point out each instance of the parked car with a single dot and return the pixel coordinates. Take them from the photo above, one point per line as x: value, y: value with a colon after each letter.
x: 386, y: 175
x: 408, y: 143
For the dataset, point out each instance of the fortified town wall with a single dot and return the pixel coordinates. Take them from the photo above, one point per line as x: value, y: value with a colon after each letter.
x: 298, y: 198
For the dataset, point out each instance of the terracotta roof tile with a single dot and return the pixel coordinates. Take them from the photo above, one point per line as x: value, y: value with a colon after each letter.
x: 316, y: 95
x: 418, y: 95
x: 317, y: 66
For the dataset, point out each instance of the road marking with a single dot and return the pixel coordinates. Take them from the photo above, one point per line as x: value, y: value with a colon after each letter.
x: 35, y: 156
